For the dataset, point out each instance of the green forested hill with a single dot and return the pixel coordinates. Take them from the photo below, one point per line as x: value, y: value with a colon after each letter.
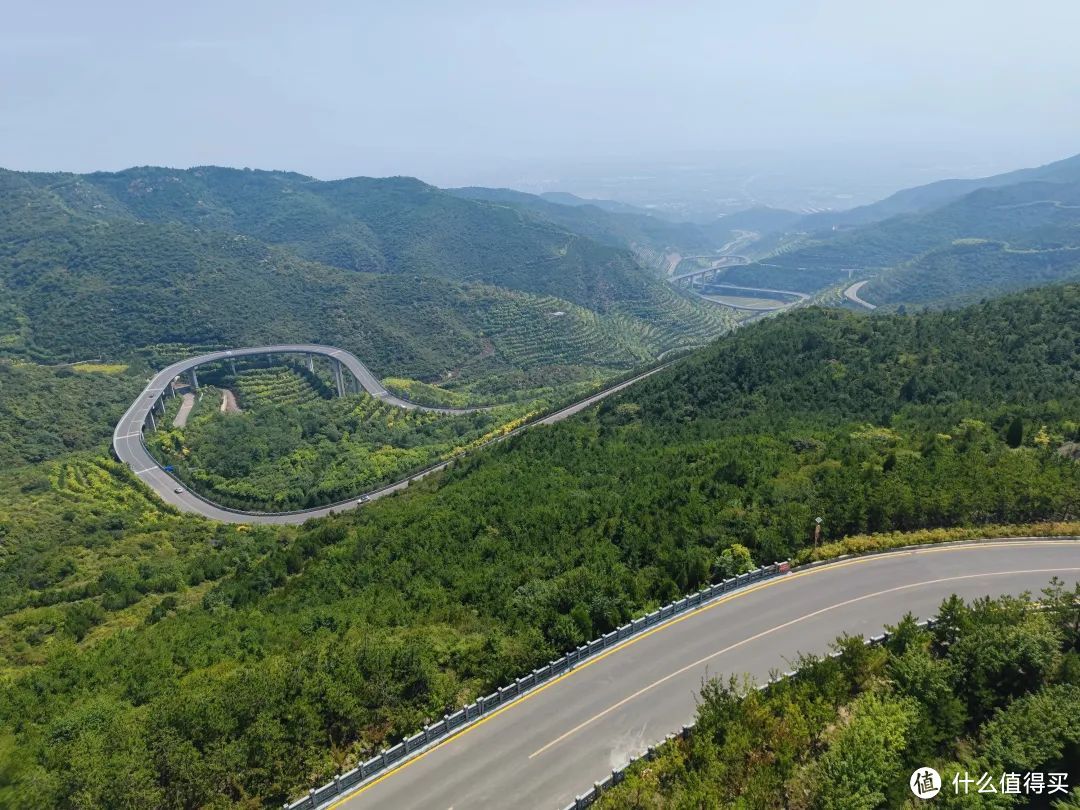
x: 926, y: 258
x: 211, y: 664
x: 970, y: 270
x: 1034, y: 215
x: 942, y: 192
x: 828, y: 364
x: 620, y: 228
x: 387, y: 225
x: 49, y: 412
x: 417, y: 282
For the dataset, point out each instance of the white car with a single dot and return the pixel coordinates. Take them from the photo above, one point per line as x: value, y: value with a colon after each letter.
x: 179, y: 490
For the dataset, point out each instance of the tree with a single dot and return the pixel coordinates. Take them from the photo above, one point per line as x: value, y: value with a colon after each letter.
x: 866, y: 756
x: 734, y: 560
x: 1015, y: 434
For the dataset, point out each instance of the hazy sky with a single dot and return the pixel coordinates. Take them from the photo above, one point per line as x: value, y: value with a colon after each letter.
x: 454, y: 91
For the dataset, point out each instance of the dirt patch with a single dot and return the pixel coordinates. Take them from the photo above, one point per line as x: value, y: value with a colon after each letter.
x: 228, y: 402
x: 188, y: 401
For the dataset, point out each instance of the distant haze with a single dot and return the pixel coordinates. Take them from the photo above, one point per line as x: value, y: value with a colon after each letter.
x: 834, y: 101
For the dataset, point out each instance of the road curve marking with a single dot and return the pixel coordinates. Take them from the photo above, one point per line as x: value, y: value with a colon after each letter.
x: 779, y: 627
x: 671, y: 623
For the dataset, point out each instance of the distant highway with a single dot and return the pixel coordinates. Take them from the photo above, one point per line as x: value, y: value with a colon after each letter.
x: 852, y: 294
x: 130, y: 448
x: 798, y: 295
x: 714, y: 292
x: 720, y: 263
x: 731, y: 260
x: 553, y: 743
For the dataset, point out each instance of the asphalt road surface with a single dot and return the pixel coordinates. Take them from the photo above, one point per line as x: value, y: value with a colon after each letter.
x: 852, y: 294
x: 721, y: 263
x: 553, y: 743
x: 130, y: 449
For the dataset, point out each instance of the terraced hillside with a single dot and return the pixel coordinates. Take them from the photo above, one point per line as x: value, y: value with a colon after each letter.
x: 987, y: 241
x: 421, y: 284
x: 554, y: 332
x: 275, y: 386
x: 963, y: 272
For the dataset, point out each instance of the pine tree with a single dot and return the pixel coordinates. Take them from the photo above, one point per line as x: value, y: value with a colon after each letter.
x: 1015, y: 434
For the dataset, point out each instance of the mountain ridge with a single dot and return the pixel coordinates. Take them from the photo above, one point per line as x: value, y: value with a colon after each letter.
x: 413, y: 279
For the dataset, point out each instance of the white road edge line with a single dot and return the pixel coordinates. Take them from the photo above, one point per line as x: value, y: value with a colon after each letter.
x: 778, y: 627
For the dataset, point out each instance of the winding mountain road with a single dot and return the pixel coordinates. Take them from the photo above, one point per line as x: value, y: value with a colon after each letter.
x: 555, y: 741
x: 852, y: 294
x: 130, y: 448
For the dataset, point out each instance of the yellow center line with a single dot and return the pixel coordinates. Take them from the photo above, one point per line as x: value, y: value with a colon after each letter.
x: 671, y: 623
x: 779, y: 627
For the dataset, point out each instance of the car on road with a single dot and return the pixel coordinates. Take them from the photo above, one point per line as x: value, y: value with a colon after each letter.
x: 363, y: 499
x: 179, y: 490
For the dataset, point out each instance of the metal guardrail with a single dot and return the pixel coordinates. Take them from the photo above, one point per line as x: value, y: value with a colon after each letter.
x: 452, y: 724
x: 617, y: 775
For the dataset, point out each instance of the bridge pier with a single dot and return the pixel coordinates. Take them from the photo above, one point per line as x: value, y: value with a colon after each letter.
x: 311, y: 363
x: 194, y: 380
x: 338, y: 378
x: 232, y: 366
x: 153, y: 424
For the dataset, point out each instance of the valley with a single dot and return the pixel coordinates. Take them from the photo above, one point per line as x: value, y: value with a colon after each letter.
x: 549, y: 443
x: 426, y: 599
x: 469, y: 406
